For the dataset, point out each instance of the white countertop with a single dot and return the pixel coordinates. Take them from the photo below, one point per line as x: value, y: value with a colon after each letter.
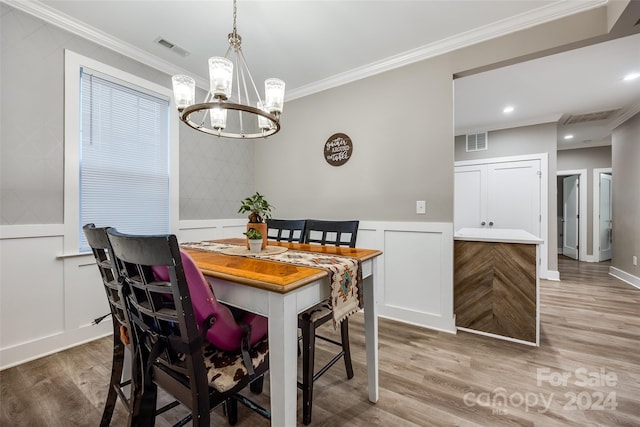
x: 498, y: 235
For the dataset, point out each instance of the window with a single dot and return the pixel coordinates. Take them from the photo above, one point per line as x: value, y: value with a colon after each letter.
x: 121, y: 149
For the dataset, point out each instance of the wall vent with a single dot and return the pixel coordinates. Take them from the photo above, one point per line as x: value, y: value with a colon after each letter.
x: 477, y: 142
x: 590, y: 117
x: 172, y: 46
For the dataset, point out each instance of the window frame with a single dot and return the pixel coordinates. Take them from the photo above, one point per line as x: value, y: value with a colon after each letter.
x: 73, y: 63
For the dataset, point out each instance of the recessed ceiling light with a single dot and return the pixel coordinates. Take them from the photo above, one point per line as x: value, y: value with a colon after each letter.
x: 569, y: 136
x: 631, y: 76
x: 508, y: 109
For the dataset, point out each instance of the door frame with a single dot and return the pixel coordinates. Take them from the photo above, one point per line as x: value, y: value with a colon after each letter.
x: 582, y: 209
x: 544, y: 203
x: 596, y: 209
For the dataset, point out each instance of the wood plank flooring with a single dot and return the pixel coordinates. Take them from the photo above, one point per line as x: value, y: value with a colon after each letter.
x: 590, y: 337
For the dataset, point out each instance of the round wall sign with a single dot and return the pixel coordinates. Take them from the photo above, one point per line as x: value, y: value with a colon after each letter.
x: 338, y: 149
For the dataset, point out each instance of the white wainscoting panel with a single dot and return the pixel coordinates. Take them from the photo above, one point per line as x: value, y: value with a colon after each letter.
x: 48, y: 299
x: 83, y: 284
x: 413, y: 267
x: 32, y: 293
x: 416, y: 271
x: 198, y: 230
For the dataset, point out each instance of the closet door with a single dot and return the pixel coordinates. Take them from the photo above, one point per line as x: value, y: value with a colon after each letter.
x: 514, y: 195
x: 470, y: 196
x: 570, y: 212
x: 606, y: 219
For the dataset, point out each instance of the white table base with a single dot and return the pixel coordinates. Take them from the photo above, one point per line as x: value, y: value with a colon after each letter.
x: 282, y: 311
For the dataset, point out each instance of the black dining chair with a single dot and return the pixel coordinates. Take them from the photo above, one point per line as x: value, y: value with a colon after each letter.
x: 335, y: 233
x: 103, y: 253
x: 289, y: 230
x: 162, y: 288
x: 101, y: 248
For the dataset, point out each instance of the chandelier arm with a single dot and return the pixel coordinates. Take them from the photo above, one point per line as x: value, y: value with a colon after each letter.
x: 239, y: 73
x: 246, y: 67
x: 242, y: 84
x: 207, y: 99
x: 226, y: 54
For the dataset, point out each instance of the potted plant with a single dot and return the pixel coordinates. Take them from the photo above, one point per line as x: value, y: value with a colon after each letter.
x: 259, y: 211
x: 254, y: 237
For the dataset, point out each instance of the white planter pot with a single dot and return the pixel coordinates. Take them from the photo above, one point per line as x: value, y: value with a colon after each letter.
x: 255, y: 246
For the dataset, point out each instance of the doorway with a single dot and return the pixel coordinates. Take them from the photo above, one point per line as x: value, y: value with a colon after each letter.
x: 602, y: 214
x: 572, y: 213
x: 570, y: 216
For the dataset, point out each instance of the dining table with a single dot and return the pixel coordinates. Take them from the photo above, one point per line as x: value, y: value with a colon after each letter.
x: 280, y: 291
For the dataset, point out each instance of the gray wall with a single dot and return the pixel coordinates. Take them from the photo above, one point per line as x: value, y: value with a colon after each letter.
x: 401, y: 124
x: 625, y: 159
x: 397, y: 159
x: 519, y: 141
x: 214, y: 176
x: 589, y: 159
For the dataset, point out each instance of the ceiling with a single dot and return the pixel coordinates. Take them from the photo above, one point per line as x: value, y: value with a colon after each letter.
x: 317, y: 44
x: 566, y: 87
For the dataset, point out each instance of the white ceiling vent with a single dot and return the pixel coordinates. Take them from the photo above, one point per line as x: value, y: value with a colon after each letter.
x: 590, y: 117
x: 477, y: 142
x: 171, y: 46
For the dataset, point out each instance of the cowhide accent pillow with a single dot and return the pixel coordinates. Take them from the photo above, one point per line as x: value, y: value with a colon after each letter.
x: 226, y: 369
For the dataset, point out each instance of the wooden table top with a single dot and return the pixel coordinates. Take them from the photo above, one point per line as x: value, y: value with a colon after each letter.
x: 270, y: 275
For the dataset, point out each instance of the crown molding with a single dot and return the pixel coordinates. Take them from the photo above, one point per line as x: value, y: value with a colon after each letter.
x: 626, y: 115
x: 538, y: 16
x: 79, y: 28
x: 501, y: 28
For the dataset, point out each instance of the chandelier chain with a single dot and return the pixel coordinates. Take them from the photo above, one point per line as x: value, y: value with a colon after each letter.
x: 234, y: 38
x: 235, y: 14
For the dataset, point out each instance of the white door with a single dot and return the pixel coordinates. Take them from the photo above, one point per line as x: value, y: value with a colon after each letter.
x: 514, y: 196
x: 605, y: 217
x: 571, y: 203
x: 469, y: 196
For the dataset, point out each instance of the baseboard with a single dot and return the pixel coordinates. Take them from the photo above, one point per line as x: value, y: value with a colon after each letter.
x: 551, y: 275
x: 625, y: 277
x: 423, y: 320
x: 500, y: 337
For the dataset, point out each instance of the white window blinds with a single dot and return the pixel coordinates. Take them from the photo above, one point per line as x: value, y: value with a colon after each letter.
x: 124, y: 158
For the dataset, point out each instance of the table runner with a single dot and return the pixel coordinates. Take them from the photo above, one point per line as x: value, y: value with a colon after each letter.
x: 345, y: 273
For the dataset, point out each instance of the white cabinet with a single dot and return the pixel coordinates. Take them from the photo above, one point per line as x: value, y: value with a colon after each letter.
x: 498, y: 195
x: 470, y: 197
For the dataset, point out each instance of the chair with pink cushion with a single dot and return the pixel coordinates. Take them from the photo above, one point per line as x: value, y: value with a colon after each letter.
x: 227, y: 332
x: 184, y: 340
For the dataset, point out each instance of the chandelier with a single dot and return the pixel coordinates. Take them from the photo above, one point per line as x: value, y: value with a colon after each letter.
x: 228, y: 109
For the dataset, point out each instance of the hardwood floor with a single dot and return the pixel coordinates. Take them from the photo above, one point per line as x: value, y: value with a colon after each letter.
x: 586, y: 372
